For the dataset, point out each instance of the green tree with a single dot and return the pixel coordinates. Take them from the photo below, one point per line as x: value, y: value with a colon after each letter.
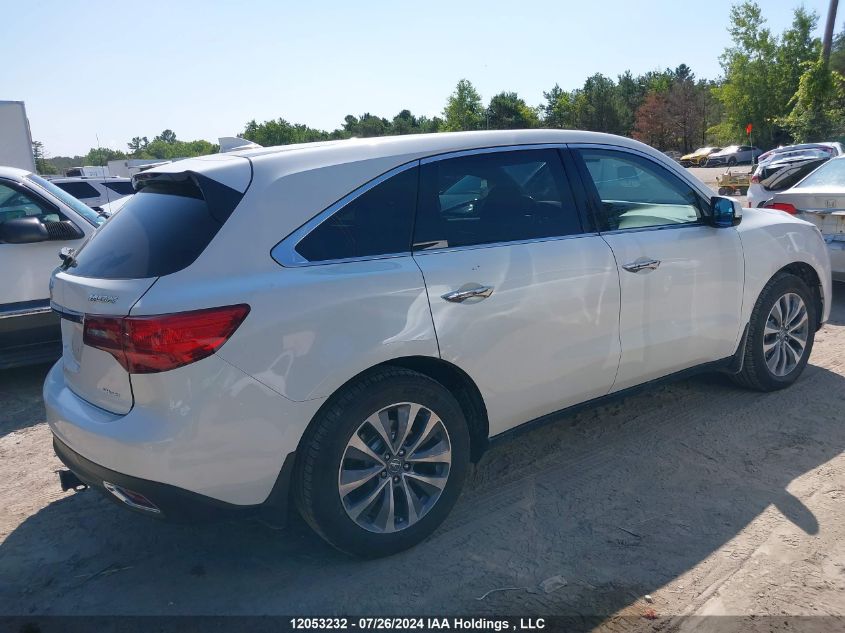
x: 507, y: 111
x: 100, y: 156
x: 42, y: 165
x: 168, y: 136
x: 281, y: 132
x: 137, y: 144
x: 818, y: 112
x: 837, y: 52
x: 596, y: 106
x: 463, y: 110
x: 557, y: 110
x: 762, y: 73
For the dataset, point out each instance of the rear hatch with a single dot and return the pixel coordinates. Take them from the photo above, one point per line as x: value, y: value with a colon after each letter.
x: 163, y: 229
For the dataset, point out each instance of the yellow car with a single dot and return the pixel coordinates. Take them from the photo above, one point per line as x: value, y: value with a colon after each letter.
x: 698, y: 157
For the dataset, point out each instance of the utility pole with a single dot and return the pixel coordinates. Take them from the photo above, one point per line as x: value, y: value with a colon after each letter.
x: 828, y: 31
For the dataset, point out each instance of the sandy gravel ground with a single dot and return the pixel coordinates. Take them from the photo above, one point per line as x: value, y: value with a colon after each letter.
x: 707, y: 498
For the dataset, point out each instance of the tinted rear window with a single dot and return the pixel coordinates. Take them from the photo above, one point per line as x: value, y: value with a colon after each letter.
x: 159, y: 231
x: 79, y: 189
x: 124, y: 188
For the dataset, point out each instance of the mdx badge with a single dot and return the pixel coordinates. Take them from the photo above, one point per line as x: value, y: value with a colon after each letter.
x: 95, y: 298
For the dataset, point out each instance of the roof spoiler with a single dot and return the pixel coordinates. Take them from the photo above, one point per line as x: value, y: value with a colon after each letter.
x: 234, y: 143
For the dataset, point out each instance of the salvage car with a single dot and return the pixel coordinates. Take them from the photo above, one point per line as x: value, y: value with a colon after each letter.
x: 699, y: 157
x: 96, y: 192
x: 37, y: 220
x: 820, y: 199
x: 317, y: 325
x: 733, y: 155
x: 779, y: 175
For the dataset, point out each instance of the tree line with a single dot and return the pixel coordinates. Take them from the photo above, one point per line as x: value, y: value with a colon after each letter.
x: 780, y: 83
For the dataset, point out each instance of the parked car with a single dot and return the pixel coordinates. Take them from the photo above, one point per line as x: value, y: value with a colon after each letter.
x: 820, y: 199
x: 699, y: 157
x: 778, y: 175
x: 803, y: 150
x: 37, y: 220
x: 733, y: 155
x: 313, y: 322
x: 96, y: 192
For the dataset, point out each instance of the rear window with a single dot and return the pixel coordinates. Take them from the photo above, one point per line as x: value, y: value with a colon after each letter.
x: 831, y: 174
x: 124, y: 187
x: 79, y: 190
x: 161, y: 230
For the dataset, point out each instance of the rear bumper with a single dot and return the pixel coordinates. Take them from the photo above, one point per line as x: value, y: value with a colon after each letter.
x: 206, y: 428
x: 836, y: 249
x: 173, y: 503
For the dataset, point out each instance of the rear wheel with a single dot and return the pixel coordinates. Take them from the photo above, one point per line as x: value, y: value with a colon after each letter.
x: 781, y: 335
x: 731, y: 161
x: 383, y: 465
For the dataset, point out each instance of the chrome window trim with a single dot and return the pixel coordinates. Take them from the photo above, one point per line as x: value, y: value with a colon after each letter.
x: 469, y: 247
x: 285, y: 253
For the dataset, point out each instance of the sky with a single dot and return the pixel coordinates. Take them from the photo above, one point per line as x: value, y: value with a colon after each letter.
x: 111, y: 70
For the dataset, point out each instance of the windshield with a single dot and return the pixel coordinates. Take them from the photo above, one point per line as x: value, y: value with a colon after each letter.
x: 831, y: 174
x: 85, y: 211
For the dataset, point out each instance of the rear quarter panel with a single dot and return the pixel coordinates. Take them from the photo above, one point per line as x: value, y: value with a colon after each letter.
x: 772, y: 239
x: 310, y: 328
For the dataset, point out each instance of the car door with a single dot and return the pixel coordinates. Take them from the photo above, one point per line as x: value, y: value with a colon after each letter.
x: 681, y: 279
x: 524, y: 295
x: 25, y: 319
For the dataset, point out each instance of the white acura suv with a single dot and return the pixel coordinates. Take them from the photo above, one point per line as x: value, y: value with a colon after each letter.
x: 347, y: 325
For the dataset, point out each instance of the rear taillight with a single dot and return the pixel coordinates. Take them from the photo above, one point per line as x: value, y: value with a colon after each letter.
x: 755, y: 179
x: 782, y: 206
x: 150, y: 344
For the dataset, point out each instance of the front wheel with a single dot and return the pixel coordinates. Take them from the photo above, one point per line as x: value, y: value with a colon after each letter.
x: 383, y: 464
x: 781, y: 334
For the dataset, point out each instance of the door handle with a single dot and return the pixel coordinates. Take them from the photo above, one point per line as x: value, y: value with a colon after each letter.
x: 459, y: 296
x: 642, y: 264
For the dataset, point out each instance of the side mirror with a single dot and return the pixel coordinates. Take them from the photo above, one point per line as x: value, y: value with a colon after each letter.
x: 23, y: 231
x: 725, y: 212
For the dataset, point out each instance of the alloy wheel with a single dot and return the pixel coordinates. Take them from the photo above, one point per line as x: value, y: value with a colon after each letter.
x: 395, y: 467
x: 785, y: 334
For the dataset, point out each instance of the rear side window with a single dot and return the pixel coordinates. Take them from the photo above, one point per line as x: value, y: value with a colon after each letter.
x: 161, y: 230
x: 378, y: 222
x: 124, y: 188
x: 494, y: 197
x: 79, y: 189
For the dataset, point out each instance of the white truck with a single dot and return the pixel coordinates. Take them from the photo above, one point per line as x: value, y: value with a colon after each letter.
x: 15, y: 138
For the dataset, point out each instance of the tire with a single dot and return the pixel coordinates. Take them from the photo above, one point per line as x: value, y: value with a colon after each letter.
x: 731, y: 162
x: 724, y: 191
x: 756, y: 371
x: 328, y: 461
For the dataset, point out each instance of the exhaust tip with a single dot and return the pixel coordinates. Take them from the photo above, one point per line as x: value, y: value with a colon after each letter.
x: 131, y: 498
